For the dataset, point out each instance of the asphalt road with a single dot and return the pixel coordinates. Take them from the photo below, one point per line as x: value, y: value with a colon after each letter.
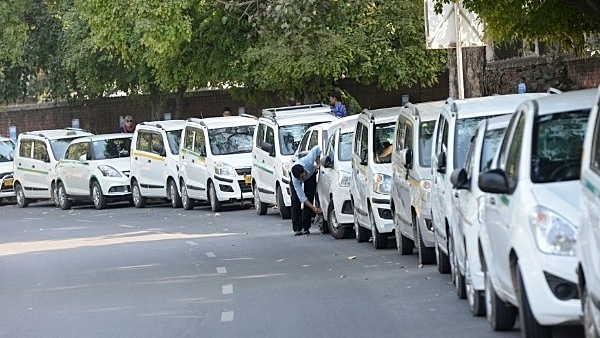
x: 163, y: 272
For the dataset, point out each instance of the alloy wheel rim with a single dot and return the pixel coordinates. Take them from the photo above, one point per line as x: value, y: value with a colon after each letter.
x: 96, y: 195
x: 184, y: 196
x: 256, y: 200
x: 20, y: 195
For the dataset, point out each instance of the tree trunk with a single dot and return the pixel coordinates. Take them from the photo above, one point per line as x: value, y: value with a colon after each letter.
x: 155, y: 104
x: 474, y: 62
x: 179, y: 103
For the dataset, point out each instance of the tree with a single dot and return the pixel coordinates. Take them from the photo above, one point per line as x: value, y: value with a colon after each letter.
x: 12, y: 31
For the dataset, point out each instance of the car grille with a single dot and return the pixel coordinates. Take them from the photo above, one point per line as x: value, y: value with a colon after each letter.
x: 243, y: 171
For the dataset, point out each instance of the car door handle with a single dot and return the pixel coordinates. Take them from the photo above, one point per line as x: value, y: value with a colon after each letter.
x: 456, y: 194
x: 182, y: 157
x: 492, y: 201
x: 135, y: 158
x: 149, y: 161
x: 193, y: 161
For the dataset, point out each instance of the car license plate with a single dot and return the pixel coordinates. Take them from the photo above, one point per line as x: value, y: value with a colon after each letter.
x: 8, y: 182
x: 248, y: 179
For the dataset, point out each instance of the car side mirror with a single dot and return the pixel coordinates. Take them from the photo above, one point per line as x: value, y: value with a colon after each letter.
x: 364, y: 157
x: 407, y: 158
x: 494, y: 181
x: 159, y: 149
x: 328, y: 162
x: 459, y: 179
x: 268, y: 147
x: 441, y: 162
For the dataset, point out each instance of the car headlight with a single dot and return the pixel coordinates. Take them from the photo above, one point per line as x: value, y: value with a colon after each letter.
x: 109, y: 171
x: 344, y: 178
x: 224, y: 169
x: 382, y: 183
x: 553, y: 234
x: 285, y: 167
x: 425, y: 188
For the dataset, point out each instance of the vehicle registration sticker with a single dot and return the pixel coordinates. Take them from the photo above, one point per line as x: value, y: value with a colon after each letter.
x: 248, y: 179
x: 8, y: 182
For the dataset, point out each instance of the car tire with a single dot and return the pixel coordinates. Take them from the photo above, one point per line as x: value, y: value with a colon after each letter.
x: 335, y: 228
x: 499, y: 315
x: 324, y: 227
x: 380, y: 241
x: 426, y: 254
x: 260, y: 207
x: 443, y: 262
x: 63, y: 199
x: 97, y: 196
x: 215, y: 204
x: 285, y: 212
x: 475, y: 298
x: 457, y: 278
x: 54, y: 194
x: 139, y: 201
x: 186, y: 201
x: 174, y: 194
x: 362, y: 235
x: 22, y: 201
x: 405, y: 244
x: 529, y: 325
x: 589, y: 327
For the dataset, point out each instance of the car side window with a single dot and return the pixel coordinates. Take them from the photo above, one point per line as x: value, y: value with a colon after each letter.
x: 25, y: 149
x: 357, y: 133
x: 331, y: 146
x: 364, y: 139
x: 199, y: 141
x: 304, y: 142
x: 71, y: 153
x: 440, y: 135
x: 260, y: 134
x: 595, y: 151
x: 157, y: 143
x: 470, y: 159
x: 314, y: 139
x: 514, y: 152
x: 270, y: 135
x: 400, y: 133
x: 40, y: 152
x: 188, y: 139
x: 144, y: 141
x: 408, y: 135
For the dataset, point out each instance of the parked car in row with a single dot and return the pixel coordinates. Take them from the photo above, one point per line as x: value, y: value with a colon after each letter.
x: 333, y: 186
x: 215, y: 160
x: 588, y: 239
x: 95, y: 168
x: 277, y: 135
x: 468, y: 202
x: 454, y: 128
x: 36, y: 156
x: 411, y: 179
x: 155, y: 162
x: 532, y: 215
x: 372, y: 175
x: 7, y: 153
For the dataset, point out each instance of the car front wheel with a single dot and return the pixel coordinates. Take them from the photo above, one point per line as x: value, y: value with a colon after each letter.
x: 139, y: 201
x: 22, y: 201
x: 97, y: 196
x: 63, y: 199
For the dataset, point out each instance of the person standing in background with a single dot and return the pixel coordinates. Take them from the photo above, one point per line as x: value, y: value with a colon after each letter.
x: 335, y: 99
x: 128, y: 127
x: 227, y: 111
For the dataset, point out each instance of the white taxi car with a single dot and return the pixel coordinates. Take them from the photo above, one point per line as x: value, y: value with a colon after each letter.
x: 468, y: 201
x: 532, y: 214
x: 411, y: 179
x: 94, y: 168
x: 7, y: 153
x: 278, y: 133
x: 588, y: 241
x: 215, y: 159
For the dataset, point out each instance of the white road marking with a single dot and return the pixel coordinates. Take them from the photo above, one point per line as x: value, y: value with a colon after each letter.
x: 125, y: 226
x: 221, y: 269
x: 191, y: 243
x: 227, y: 316
x: 227, y: 289
x: 211, y: 254
x: 84, y: 221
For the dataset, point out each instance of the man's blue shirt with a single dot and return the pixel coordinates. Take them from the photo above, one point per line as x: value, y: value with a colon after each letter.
x: 339, y: 110
x: 308, y: 162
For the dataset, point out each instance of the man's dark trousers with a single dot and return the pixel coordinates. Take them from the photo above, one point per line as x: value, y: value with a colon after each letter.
x: 301, y: 218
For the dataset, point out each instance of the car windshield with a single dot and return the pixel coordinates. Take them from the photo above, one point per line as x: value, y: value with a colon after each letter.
x: 557, y: 146
x: 345, y: 146
x: 491, y: 141
x: 384, y: 138
x: 231, y: 140
x: 174, y: 136
x: 465, y: 128
x: 59, y: 147
x: 111, y: 148
x: 7, y: 151
x: 425, y: 139
x: 290, y: 136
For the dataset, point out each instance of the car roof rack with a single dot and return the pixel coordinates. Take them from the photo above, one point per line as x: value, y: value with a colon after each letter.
x: 291, y: 110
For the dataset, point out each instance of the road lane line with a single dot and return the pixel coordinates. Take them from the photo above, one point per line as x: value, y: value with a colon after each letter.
x: 227, y: 289
x: 191, y: 243
x: 221, y: 269
x: 211, y: 254
x: 227, y: 316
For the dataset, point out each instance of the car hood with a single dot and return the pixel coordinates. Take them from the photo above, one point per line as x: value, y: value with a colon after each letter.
x: 236, y: 160
x: 6, y: 167
x: 562, y: 197
x: 121, y: 163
